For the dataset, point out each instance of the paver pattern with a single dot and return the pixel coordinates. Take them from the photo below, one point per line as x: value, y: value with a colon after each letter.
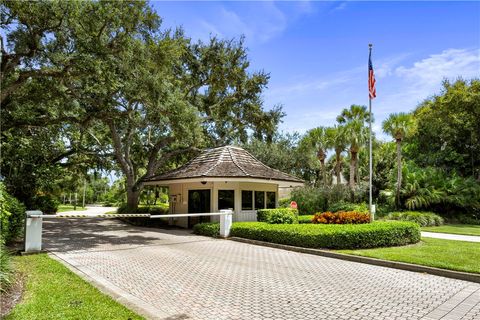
x: 183, y: 276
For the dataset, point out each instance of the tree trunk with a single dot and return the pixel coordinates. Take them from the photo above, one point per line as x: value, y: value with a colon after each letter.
x: 133, y: 194
x: 324, y: 172
x: 338, y: 166
x: 353, y: 165
x: 399, y: 172
x: 132, y: 199
x: 321, y: 157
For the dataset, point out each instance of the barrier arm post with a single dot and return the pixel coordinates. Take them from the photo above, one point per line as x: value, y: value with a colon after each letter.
x: 33, y: 231
x: 225, y: 223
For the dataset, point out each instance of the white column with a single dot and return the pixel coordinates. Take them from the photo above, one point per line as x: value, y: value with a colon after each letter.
x: 33, y: 232
x: 225, y: 223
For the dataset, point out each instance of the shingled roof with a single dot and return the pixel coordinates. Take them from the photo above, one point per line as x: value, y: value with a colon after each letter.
x: 225, y: 162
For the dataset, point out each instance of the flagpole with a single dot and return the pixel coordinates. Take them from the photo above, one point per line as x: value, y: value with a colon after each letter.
x: 370, y: 146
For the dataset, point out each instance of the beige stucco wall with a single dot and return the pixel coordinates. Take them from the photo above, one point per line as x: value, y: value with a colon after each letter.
x: 180, y: 192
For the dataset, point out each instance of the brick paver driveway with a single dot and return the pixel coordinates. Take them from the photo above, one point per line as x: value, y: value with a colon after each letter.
x: 176, y: 275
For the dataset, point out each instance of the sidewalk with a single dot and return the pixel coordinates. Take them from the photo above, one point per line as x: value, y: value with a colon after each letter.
x: 449, y: 236
x: 89, y: 211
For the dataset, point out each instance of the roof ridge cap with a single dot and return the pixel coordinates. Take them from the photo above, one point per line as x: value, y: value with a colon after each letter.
x: 220, y: 158
x: 235, y: 162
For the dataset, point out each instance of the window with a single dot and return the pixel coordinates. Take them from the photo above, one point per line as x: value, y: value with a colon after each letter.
x: 259, y: 200
x: 270, y: 200
x: 247, y: 200
x: 226, y: 199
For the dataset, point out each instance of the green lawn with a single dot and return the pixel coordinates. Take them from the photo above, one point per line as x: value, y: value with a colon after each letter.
x: 54, y: 292
x: 63, y: 208
x: 445, y: 254
x: 467, y: 229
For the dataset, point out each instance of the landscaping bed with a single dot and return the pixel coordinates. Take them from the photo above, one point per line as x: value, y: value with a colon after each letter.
x: 330, y: 236
x: 52, y: 291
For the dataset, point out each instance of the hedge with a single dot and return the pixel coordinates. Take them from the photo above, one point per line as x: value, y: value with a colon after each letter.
x: 12, y: 216
x: 329, y: 236
x: 305, y: 218
x: 209, y: 229
x: 278, y: 216
x: 424, y: 219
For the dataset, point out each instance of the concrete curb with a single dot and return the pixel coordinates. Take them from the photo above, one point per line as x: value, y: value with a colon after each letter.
x: 123, y: 297
x: 472, y: 277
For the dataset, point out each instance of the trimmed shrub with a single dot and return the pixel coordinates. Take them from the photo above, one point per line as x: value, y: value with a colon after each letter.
x: 342, y: 217
x: 284, y: 203
x: 45, y: 203
x: 305, y: 219
x: 348, y: 206
x: 278, y: 216
x: 12, y: 216
x: 331, y: 236
x: 209, y: 229
x: 424, y: 219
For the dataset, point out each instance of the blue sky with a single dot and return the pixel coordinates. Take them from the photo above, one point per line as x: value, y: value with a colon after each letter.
x: 317, y: 52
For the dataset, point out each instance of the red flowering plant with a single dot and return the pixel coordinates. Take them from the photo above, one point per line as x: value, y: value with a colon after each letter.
x: 342, y: 217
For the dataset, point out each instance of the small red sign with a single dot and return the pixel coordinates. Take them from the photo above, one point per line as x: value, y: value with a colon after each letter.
x: 293, y: 205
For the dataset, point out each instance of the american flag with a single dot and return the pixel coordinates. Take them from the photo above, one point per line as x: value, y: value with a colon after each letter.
x: 372, y: 92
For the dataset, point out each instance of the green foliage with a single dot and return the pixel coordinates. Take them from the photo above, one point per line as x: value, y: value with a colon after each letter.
x: 466, y: 219
x: 98, y: 84
x: 209, y: 229
x: 311, y: 200
x: 282, y: 153
x: 448, y: 130
x: 153, y: 210
x: 284, y: 203
x: 45, y: 203
x: 278, y: 216
x: 305, y: 219
x: 146, y: 222
x: 424, y: 219
x: 433, y: 189
x: 399, y: 125
x: 315, y: 144
x: 348, y: 206
x: 12, y: 216
x: 6, y: 274
x: 371, y: 235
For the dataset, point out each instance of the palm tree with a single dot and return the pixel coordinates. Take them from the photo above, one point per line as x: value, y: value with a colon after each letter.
x: 337, y: 140
x: 316, y: 139
x: 354, y: 120
x: 399, y: 125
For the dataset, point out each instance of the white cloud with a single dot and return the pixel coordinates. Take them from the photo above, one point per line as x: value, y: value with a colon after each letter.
x: 258, y: 22
x: 401, y: 86
x: 339, y: 7
x: 451, y: 63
